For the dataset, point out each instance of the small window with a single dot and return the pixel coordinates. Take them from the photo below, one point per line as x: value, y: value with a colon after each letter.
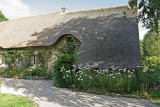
x: 34, y: 60
x: 70, y: 39
x: 1, y: 60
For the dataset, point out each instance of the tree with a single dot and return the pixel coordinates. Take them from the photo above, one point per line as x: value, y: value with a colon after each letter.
x: 149, y: 12
x: 2, y: 17
x: 151, y: 46
x: 141, y: 47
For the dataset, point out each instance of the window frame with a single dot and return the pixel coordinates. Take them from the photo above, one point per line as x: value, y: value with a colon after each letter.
x: 70, y: 37
x: 35, y: 60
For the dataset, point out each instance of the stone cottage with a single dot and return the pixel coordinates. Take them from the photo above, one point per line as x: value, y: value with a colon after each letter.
x: 107, y: 37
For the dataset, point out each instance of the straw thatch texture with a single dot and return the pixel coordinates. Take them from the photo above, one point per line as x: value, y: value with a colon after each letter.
x: 107, y: 37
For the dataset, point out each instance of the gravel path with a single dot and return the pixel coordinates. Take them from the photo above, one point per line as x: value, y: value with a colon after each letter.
x: 46, y: 95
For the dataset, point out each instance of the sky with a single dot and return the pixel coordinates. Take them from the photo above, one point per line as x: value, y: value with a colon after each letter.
x: 14, y: 9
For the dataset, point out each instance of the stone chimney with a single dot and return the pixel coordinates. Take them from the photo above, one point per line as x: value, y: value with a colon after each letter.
x: 64, y: 10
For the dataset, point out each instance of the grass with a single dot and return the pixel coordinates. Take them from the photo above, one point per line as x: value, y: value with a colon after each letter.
x: 15, y: 101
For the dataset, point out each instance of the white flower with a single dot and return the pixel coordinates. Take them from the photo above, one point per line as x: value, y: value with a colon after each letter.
x: 124, y: 70
x: 129, y: 71
x: 113, y: 77
x: 90, y: 77
x: 118, y: 73
x: 129, y: 76
x: 110, y: 74
x: 96, y: 70
x: 74, y: 66
x: 144, y: 70
x: 151, y: 69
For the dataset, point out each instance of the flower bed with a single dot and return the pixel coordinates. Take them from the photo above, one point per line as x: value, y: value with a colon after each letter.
x: 112, y: 80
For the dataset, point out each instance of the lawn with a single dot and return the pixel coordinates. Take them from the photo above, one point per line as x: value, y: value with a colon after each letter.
x: 15, y: 101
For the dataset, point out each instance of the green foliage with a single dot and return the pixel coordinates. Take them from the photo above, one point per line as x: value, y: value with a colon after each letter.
x: 68, y: 48
x: 37, y: 71
x: 151, y: 45
x: 16, y: 58
x: 65, y: 60
x: 149, y: 14
x: 43, y: 57
x: 141, y: 47
x: 19, y: 63
x: 2, y: 17
x: 151, y: 61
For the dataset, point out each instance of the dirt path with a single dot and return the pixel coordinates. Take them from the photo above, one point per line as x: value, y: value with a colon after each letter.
x: 46, y: 95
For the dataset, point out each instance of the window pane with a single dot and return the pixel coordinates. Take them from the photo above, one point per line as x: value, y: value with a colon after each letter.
x: 70, y: 39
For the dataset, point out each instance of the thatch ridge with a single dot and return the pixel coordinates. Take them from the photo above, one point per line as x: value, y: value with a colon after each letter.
x: 29, y: 17
x: 101, y: 9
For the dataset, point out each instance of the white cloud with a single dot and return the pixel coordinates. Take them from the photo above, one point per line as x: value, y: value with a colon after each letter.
x: 14, y: 9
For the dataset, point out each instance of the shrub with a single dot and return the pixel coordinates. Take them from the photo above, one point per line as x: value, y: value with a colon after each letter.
x: 151, y: 61
x: 65, y: 62
x: 36, y: 71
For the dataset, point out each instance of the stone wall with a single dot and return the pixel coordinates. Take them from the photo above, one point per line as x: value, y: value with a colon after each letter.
x: 54, y: 53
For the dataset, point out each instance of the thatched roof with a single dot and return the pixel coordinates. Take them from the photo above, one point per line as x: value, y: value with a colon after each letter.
x: 108, y: 36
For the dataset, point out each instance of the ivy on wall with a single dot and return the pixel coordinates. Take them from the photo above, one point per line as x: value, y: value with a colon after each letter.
x: 19, y: 62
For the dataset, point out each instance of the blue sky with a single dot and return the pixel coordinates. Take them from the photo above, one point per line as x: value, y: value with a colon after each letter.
x: 49, y: 6
x: 14, y: 9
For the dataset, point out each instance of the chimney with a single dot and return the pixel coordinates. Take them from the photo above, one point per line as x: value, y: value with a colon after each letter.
x: 64, y: 10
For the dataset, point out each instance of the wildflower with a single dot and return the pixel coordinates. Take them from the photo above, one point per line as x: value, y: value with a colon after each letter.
x: 124, y: 70
x: 96, y: 70
x: 157, y: 87
x: 113, y: 77
x: 110, y: 74
x: 151, y: 69
x: 129, y: 76
x: 68, y: 71
x: 64, y: 77
x: 74, y: 66
x: 144, y: 70
x: 81, y: 79
x: 90, y: 77
x: 62, y: 67
x: 118, y: 73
